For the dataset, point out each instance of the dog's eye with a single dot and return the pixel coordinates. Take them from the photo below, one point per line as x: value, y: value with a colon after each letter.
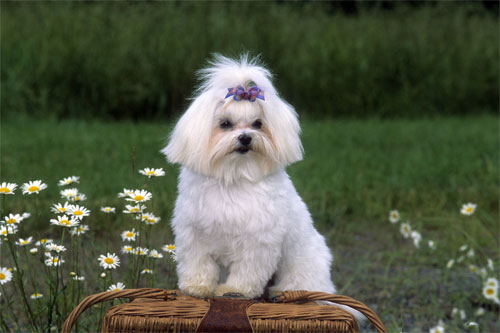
x: 225, y: 124
x: 257, y: 124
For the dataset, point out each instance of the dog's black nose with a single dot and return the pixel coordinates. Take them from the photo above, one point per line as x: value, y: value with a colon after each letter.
x: 245, y: 139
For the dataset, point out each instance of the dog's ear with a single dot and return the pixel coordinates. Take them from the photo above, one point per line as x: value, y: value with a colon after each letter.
x: 284, y: 126
x: 191, y: 134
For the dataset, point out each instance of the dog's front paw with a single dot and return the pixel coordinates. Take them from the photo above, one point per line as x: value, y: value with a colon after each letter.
x: 201, y: 291
x: 227, y: 289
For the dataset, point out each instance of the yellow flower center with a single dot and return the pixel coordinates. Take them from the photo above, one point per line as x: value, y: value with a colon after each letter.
x: 490, y: 291
x: 150, y: 172
x: 468, y: 209
x: 134, y: 210
x: 77, y: 212
x: 61, y: 209
x: 2, y: 276
x: 43, y: 241
x: 4, y: 190
x: 116, y: 289
x: 109, y: 261
x: 138, y: 198
x: 107, y: 209
x: 129, y: 234
x: 33, y: 188
x: 10, y: 221
x: 4, y: 232
x: 171, y: 247
x: 491, y: 284
x: 65, y: 222
x: 152, y: 221
x: 55, y: 260
x: 24, y: 242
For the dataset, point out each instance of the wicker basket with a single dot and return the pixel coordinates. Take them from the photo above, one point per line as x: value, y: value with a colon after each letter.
x: 159, y: 310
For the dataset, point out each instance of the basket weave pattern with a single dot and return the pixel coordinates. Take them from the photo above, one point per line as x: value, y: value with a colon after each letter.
x: 158, y: 310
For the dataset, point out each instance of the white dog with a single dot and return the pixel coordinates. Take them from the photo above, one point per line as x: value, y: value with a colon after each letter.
x: 238, y: 220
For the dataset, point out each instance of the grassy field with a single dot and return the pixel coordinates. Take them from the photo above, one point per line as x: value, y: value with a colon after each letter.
x: 137, y: 59
x: 354, y: 172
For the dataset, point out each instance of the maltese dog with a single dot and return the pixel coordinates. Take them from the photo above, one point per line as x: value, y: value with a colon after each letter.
x: 239, y: 224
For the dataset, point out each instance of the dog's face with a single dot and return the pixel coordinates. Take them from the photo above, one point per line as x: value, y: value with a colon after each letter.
x: 236, y: 140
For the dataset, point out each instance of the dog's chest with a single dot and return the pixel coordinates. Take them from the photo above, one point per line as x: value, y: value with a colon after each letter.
x: 236, y: 210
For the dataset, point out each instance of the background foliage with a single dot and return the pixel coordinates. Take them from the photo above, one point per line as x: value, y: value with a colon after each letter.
x: 137, y: 60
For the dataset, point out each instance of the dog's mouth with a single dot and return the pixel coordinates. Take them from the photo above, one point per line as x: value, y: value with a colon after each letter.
x: 242, y: 150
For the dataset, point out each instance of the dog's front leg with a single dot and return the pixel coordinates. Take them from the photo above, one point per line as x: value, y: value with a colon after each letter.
x: 197, y: 271
x: 250, y: 271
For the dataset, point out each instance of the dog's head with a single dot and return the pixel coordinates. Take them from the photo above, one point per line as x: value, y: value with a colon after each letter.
x: 237, y: 128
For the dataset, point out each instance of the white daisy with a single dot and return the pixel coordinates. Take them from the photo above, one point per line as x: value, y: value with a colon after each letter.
x: 471, y: 253
x: 60, y: 208
x: 473, y: 268
x: 483, y: 273
x: 80, y: 197
x: 134, y: 209
x: 8, y: 230
x: 491, y: 293
x: 155, y: 254
x: 147, y: 271
x: 394, y: 216
x: 24, y: 242
x: 13, y: 219
x: 152, y: 172
x: 26, y: 215
x: 169, y: 248
x: 125, y: 193
x: 432, y: 245
x: 33, y: 187
x: 44, y: 242
x: 463, y: 247
x: 479, y: 312
x: 7, y: 188
x: 127, y: 249
x: 468, y: 209
x: 129, y: 235
x: 492, y: 282
x: 416, y: 236
x: 490, y: 264
x: 53, y: 261
x: 437, y: 329
x: 141, y: 251
x: 69, y: 180
x: 79, y: 211
x: 108, y: 209
x: 79, y: 230
x: 36, y: 296
x: 450, y: 263
x: 34, y: 250
x: 55, y: 247
x: 79, y: 278
x: 103, y: 275
x: 109, y: 261
x: 65, y: 221
x: 116, y: 287
x: 471, y: 324
x: 149, y: 218
x: 69, y: 194
x: 405, y: 229
x: 460, y: 259
x: 5, y: 275
x: 139, y: 196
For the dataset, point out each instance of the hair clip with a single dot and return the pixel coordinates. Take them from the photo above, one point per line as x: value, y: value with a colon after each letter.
x: 239, y: 93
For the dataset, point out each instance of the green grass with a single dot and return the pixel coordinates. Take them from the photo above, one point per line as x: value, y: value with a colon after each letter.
x: 352, y: 174
x: 119, y: 60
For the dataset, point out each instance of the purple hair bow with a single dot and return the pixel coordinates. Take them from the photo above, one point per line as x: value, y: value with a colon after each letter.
x: 239, y: 93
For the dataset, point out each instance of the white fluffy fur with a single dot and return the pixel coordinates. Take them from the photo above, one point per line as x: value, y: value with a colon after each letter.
x: 238, y: 219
